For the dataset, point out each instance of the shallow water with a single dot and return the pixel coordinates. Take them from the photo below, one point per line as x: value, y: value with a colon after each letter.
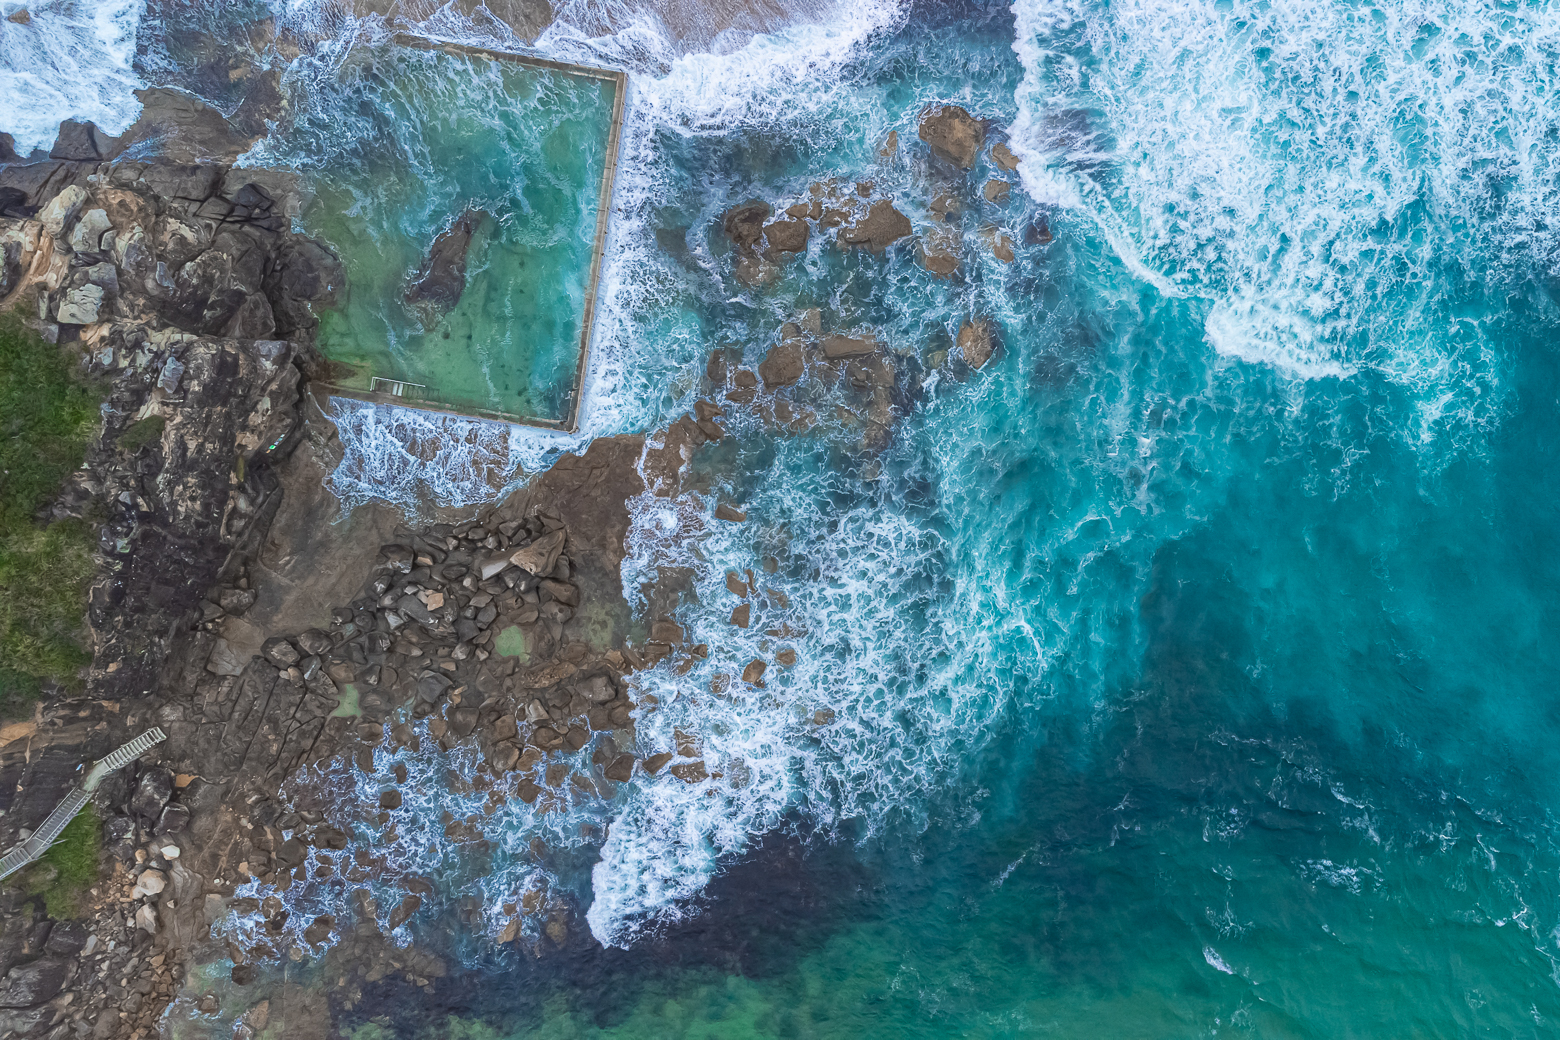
x: 1190, y: 665
x: 395, y: 144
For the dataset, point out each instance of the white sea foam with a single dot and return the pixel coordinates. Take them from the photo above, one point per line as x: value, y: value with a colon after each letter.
x: 72, y: 60
x: 1306, y: 165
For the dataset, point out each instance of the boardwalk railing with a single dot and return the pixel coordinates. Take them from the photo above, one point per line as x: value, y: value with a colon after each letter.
x: 39, y: 841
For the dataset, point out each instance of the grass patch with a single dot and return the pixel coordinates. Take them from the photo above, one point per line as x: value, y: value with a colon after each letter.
x: 65, y: 872
x: 141, y: 433
x: 48, y: 415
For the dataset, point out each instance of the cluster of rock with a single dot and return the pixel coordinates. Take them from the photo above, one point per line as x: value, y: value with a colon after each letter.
x: 173, y: 283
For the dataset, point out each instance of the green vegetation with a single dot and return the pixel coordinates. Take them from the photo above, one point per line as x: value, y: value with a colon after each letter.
x: 141, y: 433
x: 69, y: 868
x: 48, y: 413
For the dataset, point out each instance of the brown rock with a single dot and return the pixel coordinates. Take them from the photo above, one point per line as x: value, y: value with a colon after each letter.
x: 528, y: 791
x: 787, y: 657
x: 783, y: 365
x: 890, y: 145
x: 666, y: 631
x: 953, y: 134
x: 881, y: 227
x: 1004, y: 156
x: 786, y: 236
x: 690, y: 772
x: 562, y: 591
x: 541, y: 556
x: 621, y: 770
x: 996, y: 191
x: 976, y: 343
x: 735, y: 585
x: 753, y: 674
x: 837, y: 346
x: 744, y: 224
x: 390, y: 799
x: 726, y: 512
x: 740, y: 616
x: 653, y: 764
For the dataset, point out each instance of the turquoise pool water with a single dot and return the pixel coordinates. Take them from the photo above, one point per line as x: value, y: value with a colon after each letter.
x: 398, y: 143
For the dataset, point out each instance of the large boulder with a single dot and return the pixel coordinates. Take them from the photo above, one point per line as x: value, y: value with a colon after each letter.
x: 28, y: 985
x: 306, y: 275
x: 953, y: 134
x: 783, y: 365
x: 881, y: 227
x: 151, y: 794
x: 438, y: 284
x: 976, y: 343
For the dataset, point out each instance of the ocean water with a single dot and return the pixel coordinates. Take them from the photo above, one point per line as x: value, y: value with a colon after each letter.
x: 1188, y: 671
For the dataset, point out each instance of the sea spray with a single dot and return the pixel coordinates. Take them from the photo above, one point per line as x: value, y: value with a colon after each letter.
x: 71, y: 59
x: 1305, y: 167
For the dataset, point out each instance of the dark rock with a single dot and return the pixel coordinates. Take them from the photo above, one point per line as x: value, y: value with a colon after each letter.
x: 621, y: 769
x: 744, y: 224
x: 252, y: 320
x: 438, y: 284
x: 881, y: 227
x: 390, y: 799
x: 290, y: 854
x: 315, y: 642
x: 242, y: 974
x: 953, y: 134
x: 320, y: 930
x: 174, y: 820
x: 403, y: 913
x: 66, y: 939
x: 152, y: 793
x: 280, y: 652
x: 84, y: 142
x: 562, y: 591
x: 654, y: 763
x: 306, y: 275
x: 724, y: 511
x: 835, y: 347
x: 28, y: 985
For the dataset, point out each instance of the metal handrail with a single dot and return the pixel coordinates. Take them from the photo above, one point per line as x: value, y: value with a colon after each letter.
x: 37, y: 843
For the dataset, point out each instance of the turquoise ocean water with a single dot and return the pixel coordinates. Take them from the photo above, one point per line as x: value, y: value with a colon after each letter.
x: 1193, y: 667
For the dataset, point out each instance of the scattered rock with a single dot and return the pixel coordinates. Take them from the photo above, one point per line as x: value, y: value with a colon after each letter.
x: 150, y: 883
x: 390, y: 799
x: 744, y: 224
x: 80, y: 306
x: 996, y: 191
x: 1004, y: 157
x: 280, y: 652
x: 541, y: 556
x: 786, y: 657
x: 314, y: 642
x: 152, y: 793
x: 741, y: 614
x: 953, y: 134
x: 653, y: 764
x: 146, y: 919
x: 839, y: 346
x: 786, y: 236
x: 731, y: 513
x: 881, y: 227
x: 621, y: 769
x: 976, y: 343
x: 753, y: 674
x: 784, y: 365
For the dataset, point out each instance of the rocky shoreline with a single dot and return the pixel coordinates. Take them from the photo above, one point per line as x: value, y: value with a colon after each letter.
x: 271, y: 642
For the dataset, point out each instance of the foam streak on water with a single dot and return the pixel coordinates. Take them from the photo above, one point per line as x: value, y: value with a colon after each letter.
x: 72, y: 60
x: 1305, y: 167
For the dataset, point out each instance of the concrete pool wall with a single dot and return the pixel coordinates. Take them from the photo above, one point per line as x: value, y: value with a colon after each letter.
x: 381, y: 379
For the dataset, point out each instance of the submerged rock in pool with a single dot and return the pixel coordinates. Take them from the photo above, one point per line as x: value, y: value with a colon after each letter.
x: 438, y: 284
